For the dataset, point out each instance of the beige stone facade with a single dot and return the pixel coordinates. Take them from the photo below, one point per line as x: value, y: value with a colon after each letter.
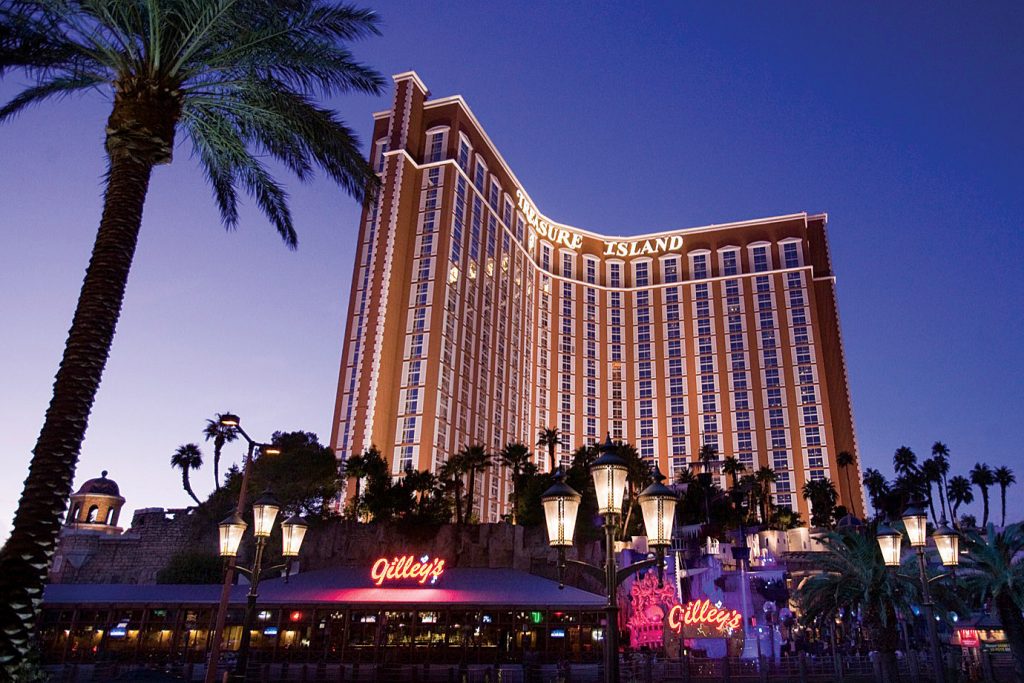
x: 475, y: 318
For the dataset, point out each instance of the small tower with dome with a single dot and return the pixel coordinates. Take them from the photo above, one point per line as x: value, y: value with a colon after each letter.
x: 96, y: 506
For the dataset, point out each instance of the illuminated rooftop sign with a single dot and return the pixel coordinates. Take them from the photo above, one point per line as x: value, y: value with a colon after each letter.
x: 701, y: 619
x: 406, y: 568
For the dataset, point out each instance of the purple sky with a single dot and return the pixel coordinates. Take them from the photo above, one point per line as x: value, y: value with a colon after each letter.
x: 904, y: 123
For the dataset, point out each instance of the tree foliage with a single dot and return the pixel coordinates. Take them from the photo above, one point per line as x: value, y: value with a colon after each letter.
x: 192, y: 567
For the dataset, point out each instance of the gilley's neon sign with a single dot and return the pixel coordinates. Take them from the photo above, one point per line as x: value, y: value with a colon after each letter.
x: 407, y: 568
x: 702, y: 613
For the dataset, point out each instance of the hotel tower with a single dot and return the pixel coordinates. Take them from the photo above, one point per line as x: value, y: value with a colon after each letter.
x: 476, y: 319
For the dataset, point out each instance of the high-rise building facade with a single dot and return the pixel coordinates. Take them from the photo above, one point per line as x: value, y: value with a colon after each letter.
x: 476, y: 319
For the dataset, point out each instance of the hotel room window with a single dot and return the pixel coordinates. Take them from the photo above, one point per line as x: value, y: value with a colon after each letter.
x: 567, y: 265
x: 435, y: 145
x: 615, y: 274
x: 480, y: 173
x: 671, y: 269
x: 730, y: 262
x: 699, y: 266
x: 545, y: 257
x: 464, y: 151
x: 762, y: 262
x: 791, y: 254
x: 382, y: 149
x: 495, y: 193
x: 642, y: 274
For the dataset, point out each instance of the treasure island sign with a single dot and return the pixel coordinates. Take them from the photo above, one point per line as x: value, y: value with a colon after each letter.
x: 407, y: 569
x: 574, y: 240
x: 701, y: 619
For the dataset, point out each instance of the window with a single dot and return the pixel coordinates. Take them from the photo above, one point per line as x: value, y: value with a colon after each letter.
x: 730, y: 262
x: 436, y: 139
x: 464, y: 152
x: 615, y: 274
x: 761, y: 258
x: 670, y: 269
x: 382, y: 149
x: 591, y: 267
x: 642, y: 273
x: 480, y: 173
x: 567, y: 265
x: 699, y: 265
x: 791, y: 254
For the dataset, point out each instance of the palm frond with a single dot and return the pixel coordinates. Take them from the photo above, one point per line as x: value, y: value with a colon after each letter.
x: 55, y: 87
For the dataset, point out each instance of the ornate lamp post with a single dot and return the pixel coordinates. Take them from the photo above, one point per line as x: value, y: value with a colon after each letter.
x: 915, y: 519
x: 293, y: 530
x: 230, y: 420
x: 561, y: 504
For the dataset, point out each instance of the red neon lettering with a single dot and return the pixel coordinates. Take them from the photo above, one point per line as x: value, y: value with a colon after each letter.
x: 406, y: 567
x: 703, y: 612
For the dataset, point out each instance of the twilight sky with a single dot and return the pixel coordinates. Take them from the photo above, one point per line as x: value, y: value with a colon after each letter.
x: 904, y: 123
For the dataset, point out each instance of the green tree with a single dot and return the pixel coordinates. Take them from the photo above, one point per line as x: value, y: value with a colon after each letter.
x: 765, y: 476
x: 983, y: 477
x: 516, y: 458
x: 845, y: 460
x: 378, y: 500
x: 186, y: 458
x: 475, y: 460
x: 220, y: 434
x: 961, y: 492
x: 994, y: 570
x: 236, y: 79
x: 931, y: 473
x: 304, y: 475
x: 822, y: 495
x: 192, y: 567
x: 451, y: 476
x: 876, y: 485
x: 904, y: 461
x: 550, y: 438
x: 1005, y: 478
x: 354, y: 467
x: 732, y: 467
x: 638, y: 477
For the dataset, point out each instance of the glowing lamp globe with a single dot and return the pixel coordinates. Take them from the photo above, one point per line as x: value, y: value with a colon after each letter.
x: 293, y: 530
x: 658, y: 505
x: 561, y: 503
x: 889, y: 541
x: 264, y: 512
x: 231, y: 530
x: 269, y: 449
x: 230, y: 420
x: 915, y: 519
x: 609, y: 472
x: 947, y: 542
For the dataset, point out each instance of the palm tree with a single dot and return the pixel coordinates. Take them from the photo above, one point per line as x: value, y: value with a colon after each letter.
x: 876, y: 484
x: 931, y: 474
x: 994, y: 570
x: 551, y: 438
x: 960, y: 493
x: 733, y: 467
x: 940, y: 453
x: 765, y: 476
x: 638, y: 477
x: 355, y: 467
x: 982, y: 477
x: 515, y: 457
x: 421, y: 484
x: 236, y: 79
x: 475, y: 459
x: 845, y: 459
x: 451, y: 477
x: 1004, y: 477
x: 187, y: 457
x: 850, y: 574
x: 221, y: 434
x: 822, y: 495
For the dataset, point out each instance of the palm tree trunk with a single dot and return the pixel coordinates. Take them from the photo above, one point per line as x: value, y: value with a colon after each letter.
x: 25, y: 558
x: 187, y: 484
x: 931, y: 506
x: 469, y: 494
x: 944, y: 496
x: 984, y: 499
x: 216, y: 466
x: 1002, y: 496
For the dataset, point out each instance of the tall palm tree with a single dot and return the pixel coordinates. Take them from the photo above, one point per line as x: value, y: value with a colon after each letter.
x: 356, y: 467
x: 940, y: 453
x: 220, y: 434
x: 961, y: 492
x: 476, y: 459
x: 187, y: 458
x: 983, y: 477
x: 765, y: 476
x: 931, y: 474
x: 876, y: 484
x: 904, y: 461
x: 732, y: 467
x: 822, y: 495
x: 1005, y: 478
x: 638, y: 477
x: 236, y: 79
x: 994, y: 570
x: 515, y: 457
x: 550, y: 438
x: 451, y: 477
x: 845, y: 459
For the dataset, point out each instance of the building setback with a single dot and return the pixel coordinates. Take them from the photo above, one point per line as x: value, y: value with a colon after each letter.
x: 475, y: 319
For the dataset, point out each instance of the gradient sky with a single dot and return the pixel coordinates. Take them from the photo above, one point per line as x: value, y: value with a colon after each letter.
x: 903, y: 122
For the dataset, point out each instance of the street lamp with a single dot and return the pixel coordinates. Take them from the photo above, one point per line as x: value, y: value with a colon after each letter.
x: 230, y: 532
x: 293, y: 530
x: 889, y: 542
x: 561, y: 504
x: 915, y: 519
x: 947, y: 542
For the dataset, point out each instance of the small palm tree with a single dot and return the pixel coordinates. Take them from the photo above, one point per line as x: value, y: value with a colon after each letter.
x: 235, y: 78
x: 994, y: 570
x: 1005, y: 478
x: 220, y: 434
x: 550, y: 438
x: 845, y: 459
x: 187, y: 458
x: 476, y: 459
x: 931, y: 473
x: 732, y: 467
x: 983, y: 477
x: 904, y: 461
x: 877, y: 485
x: 355, y: 467
x: 516, y: 458
x: 822, y: 495
x: 940, y: 453
x: 961, y: 492
x: 451, y: 475
x: 765, y: 476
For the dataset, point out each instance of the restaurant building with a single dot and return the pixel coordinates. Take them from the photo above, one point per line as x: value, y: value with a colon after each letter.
x: 476, y: 319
